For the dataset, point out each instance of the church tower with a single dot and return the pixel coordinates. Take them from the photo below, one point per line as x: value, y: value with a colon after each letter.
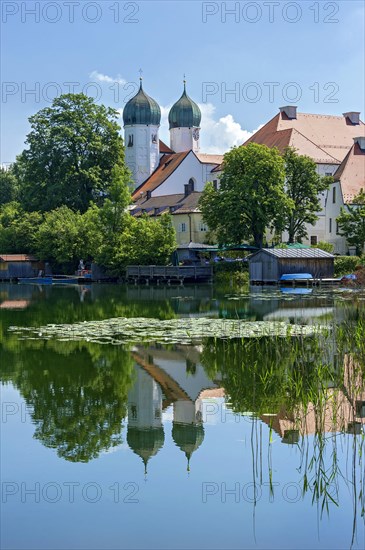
x: 184, y: 123
x: 145, y: 435
x: 141, y: 118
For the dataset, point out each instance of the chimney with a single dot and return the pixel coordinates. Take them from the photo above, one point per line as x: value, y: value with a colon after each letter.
x: 353, y: 116
x: 186, y: 189
x: 149, y: 195
x: 361, y: 142
x: 289, y: 110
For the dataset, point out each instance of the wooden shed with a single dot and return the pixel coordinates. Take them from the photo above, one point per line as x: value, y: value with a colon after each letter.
x: 13, y: 266
x: 269, y: 264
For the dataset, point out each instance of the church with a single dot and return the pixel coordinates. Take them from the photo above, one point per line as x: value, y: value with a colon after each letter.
x: 168, y: 178
x: 171, y: 178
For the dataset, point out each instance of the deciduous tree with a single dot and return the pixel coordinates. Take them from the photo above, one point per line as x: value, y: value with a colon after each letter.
x: 303, y: 186
x: 351, y: 222
x: 251, y: 197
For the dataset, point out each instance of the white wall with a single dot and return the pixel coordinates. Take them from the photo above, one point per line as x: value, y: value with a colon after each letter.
x: 182, y: 139
x: 189, y: 168
x: 144, y: 156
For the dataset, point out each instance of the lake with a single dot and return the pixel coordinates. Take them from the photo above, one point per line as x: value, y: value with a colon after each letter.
x: 182, y: 417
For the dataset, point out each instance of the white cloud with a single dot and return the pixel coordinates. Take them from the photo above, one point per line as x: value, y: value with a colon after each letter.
x: 100, y: 77
x: 217, y: 136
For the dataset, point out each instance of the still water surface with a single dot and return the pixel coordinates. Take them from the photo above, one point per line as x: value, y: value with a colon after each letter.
x: 223, y: 443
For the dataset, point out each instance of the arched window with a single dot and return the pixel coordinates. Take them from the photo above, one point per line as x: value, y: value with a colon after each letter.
x: 191, y: 184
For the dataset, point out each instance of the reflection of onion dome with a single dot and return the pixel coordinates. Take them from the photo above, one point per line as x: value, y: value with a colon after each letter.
x: 188, y: 437
x: 185, y: 113
x: 142, y: 109
x: 145, y: 442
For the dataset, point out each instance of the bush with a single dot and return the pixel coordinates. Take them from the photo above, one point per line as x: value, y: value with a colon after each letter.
x: 345, y: 264
x: 230, y: 267
x: 327, y: 247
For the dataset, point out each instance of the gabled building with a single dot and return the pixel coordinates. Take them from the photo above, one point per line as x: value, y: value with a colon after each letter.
x: 327, y: 139
x: 349, y: 180
x: 168, y: 179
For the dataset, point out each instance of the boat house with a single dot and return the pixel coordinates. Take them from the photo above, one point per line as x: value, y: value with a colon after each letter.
x: 269, y: 264
x: 13, y: 266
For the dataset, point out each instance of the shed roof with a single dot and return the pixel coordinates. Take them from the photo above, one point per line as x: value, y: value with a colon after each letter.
x: 307, y: 253
x: 18, y: 258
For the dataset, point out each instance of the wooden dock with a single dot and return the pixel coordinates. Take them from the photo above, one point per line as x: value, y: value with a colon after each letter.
x: 170, y: 274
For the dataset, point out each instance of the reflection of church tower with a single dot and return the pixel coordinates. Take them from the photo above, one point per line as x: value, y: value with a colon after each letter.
x: 141, y: 117
x: 145, y: 435
x: 187, y: 427
x: 184, y: 123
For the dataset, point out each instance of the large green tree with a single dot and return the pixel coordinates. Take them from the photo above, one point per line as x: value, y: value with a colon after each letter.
x: 251, y: 197
x: 18, y: 229
x: 303, y: 186
x: 62, y: 239
x: 72, y: 149
x: 8, y: 185
x: 351, y: 222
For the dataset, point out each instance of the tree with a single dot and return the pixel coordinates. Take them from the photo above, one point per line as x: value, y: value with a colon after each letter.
x: 72, y: 149
x: 61, y: 239
x: 142, y: 241
x: 18, y: 229
x: 251, y: 197
x: 303, y: 186
x: 8, y: 186
x: 351, y: 223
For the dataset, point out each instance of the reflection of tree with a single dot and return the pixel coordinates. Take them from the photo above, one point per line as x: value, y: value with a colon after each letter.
x: 303, y: 387
x: 77, y: 394
x: 263, y: 374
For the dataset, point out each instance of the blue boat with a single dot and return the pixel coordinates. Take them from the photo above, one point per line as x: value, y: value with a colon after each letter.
x: 296, y: 277
x: 291, y: 290
x: 35, y: 280
x: 57, y: 280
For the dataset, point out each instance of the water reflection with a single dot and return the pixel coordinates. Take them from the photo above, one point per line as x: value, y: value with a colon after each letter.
x: 300, y: 401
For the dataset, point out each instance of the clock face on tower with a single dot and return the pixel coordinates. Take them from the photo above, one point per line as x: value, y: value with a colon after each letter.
x: 196, y: 134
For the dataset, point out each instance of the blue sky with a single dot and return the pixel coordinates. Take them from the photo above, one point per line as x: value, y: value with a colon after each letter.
x: 271, y: 53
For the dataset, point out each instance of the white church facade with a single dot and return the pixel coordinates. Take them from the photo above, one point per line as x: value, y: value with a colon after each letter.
x: 171, y: 179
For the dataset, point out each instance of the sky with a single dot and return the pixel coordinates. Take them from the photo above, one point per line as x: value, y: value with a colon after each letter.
x: 242, y: 60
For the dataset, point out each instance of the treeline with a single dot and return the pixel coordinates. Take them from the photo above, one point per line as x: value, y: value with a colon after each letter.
x: 67, y: 196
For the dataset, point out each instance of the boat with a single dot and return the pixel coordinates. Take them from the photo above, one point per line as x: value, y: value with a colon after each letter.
x: 54, y: 280
x: 35, y: 280
x: 296, y: 277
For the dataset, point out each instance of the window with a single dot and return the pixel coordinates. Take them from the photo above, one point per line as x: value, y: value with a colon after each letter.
x: 314, y: 240
x: 182, y: 227
x: 334, y: 194
x: 203, y: 227
x: 330, y: 225
x: 337, y: 228
x: 191, y: 185
x: 215, y: 185
x: 134, y: 412
x: 328, y: 174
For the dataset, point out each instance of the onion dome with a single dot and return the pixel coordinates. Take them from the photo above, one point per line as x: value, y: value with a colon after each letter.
x: 185, y: 113
x: 145, y: 442
x: 188, y: 437
x: 142, y: 109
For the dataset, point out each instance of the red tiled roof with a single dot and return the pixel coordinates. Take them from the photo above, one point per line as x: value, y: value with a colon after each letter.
x: 351, y: 173
x: 158, y: 205
x: 164, y: 148
x: 209, y: 159
x: 167, y: 166
x: 325, y: 138
x: 18, y: 258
